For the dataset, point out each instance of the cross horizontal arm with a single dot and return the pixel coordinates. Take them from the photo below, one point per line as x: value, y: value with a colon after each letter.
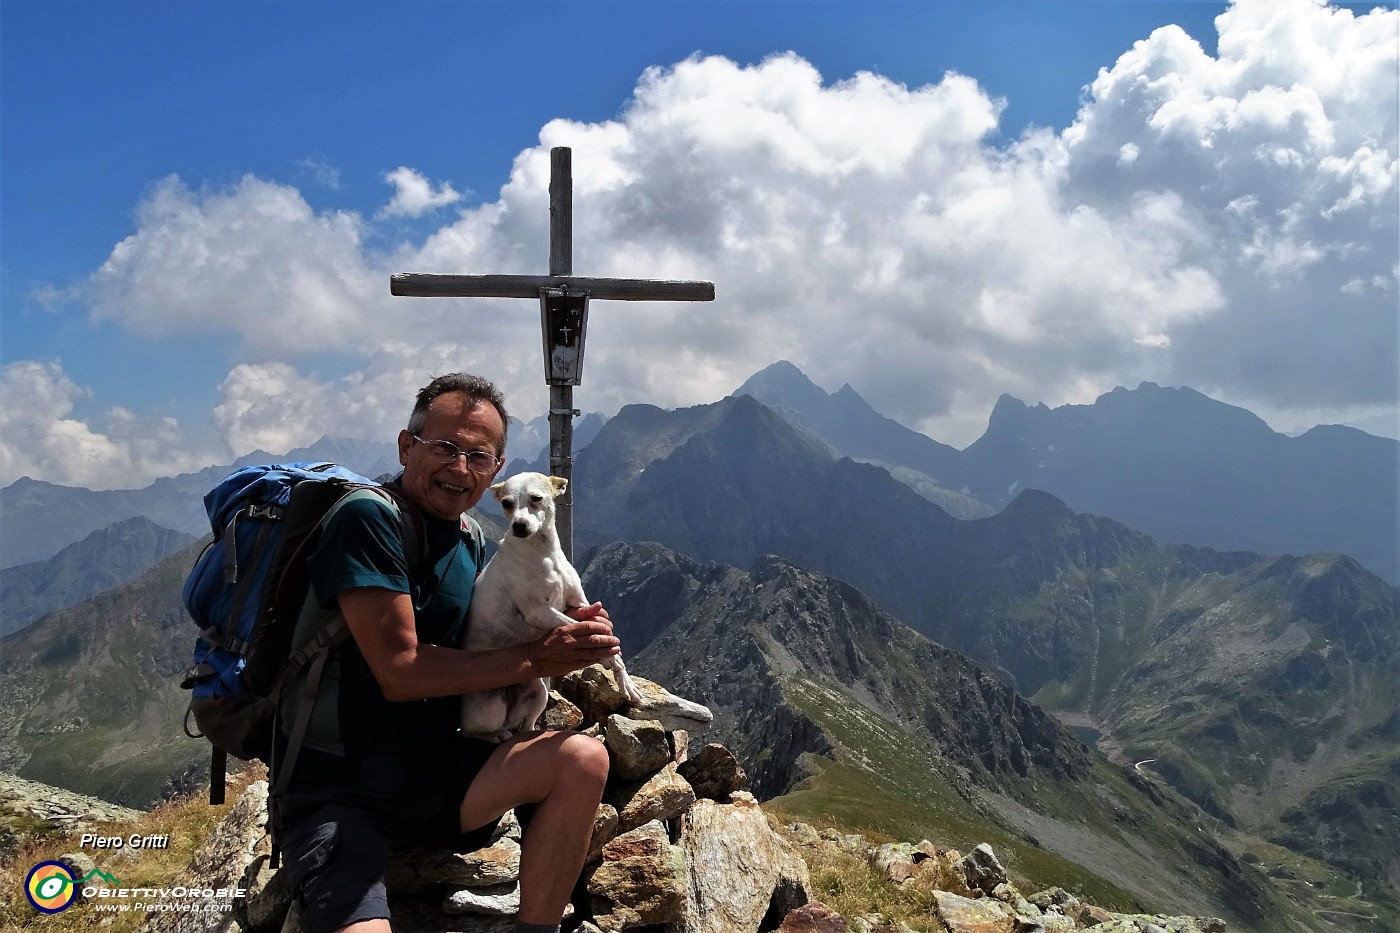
x: 433, y: 285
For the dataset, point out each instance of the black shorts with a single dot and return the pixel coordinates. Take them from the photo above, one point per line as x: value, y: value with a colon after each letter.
x: 336, y: 837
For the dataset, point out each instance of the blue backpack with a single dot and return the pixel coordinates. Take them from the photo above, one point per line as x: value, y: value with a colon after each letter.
x: 246, y: 592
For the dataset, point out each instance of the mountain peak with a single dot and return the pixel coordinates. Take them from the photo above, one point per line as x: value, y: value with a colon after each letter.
x: 1010, y: 410
x: 782, y: 383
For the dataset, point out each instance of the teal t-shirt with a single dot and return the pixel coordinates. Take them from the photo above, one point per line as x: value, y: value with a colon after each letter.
x: 361, y: 545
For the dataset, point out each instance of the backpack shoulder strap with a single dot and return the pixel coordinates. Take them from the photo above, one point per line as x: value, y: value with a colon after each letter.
x: 411, y: 525
x: 476, y: 541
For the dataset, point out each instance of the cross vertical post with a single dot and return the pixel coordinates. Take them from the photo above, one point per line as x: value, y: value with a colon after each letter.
x: 563, y: 299
x: 561, y: 394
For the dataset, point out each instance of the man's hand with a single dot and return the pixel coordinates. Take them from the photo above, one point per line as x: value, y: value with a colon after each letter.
x: 572, y: 647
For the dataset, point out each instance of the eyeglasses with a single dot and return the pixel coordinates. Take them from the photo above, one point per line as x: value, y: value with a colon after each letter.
x: 478, y: 461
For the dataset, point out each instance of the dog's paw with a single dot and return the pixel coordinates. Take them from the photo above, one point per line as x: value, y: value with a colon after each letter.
x: 629, y: 689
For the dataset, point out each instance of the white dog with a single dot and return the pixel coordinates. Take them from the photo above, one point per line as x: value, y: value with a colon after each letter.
x: 520, y: 596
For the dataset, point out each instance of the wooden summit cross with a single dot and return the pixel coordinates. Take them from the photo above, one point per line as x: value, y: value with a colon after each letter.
x: 563, y: 299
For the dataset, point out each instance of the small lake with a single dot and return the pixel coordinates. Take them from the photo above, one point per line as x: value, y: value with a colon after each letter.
x: 1088, y: 735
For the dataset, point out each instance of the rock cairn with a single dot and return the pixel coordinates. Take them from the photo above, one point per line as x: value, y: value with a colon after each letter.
x: 972, y: 894
x: 677, y: 847
x: 677, y: 844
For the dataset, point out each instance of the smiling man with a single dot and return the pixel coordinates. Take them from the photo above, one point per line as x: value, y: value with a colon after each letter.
x: 383, y: 765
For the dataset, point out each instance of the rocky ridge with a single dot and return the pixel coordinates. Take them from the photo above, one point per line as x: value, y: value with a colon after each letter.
x: 58, y: 808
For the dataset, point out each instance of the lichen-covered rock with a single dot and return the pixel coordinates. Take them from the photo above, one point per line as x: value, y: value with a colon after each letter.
x: 1143, y: 923
x: 680, y: 745
x: 560, y: 715
x: 665, y: 796
x: 714, y: 772
x: 875, y: 923
x: 637, y: 748
x: 673, y: 712
x: 419, y: 870
x: 853, y: 843
x: 269, y: 897
x: 497, y: 900
x: 1092, y: 916
x: 220, y: 865
x: 59, y: 807
x: 593, y: 690
x: 1008, y: 895
x: 737, y: 867
x: 1057, y: 898
x: 965, y: 915
x: 604, y: 831
x: 641, y: 881
x: 814, y: 918
x: 804, y: 834
x: 982, y: 869
x: 896, y: 860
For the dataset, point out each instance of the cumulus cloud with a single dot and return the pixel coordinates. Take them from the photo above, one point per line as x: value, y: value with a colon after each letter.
x: 1282, y: 149
x: 254, y: 258
x: 414, y: 195
x: 41, y: 437
x: 1225, y: 222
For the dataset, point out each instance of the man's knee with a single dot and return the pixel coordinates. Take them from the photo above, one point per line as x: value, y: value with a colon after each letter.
x: 585, y: 759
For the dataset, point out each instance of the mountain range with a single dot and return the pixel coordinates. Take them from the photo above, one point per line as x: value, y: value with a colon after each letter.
x: 1262, y: 687
x: 1258, y: 688
x: 832, y: 703
x: 105, y: 558
x: 1171, y: 462
x: 826, y: 697
x: 57, y: 516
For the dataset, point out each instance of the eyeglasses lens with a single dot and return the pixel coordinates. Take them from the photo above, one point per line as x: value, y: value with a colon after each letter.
x: 478, y: 461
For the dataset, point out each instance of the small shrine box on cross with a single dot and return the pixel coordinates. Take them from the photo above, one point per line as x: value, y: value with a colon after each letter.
x: 563, y: 319
x: 563, y: 299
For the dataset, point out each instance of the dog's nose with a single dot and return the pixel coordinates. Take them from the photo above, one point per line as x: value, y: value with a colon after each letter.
x: 520, y: 529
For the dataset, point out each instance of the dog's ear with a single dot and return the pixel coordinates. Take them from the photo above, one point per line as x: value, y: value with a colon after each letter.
x: 498, y: 490
x: 560, y: 484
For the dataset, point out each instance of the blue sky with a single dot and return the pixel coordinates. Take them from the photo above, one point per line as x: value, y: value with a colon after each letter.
x: 150, y: 152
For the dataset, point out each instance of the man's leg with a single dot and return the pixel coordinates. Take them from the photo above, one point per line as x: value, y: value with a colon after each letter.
x: 562, y: 774
x: 335, y: 859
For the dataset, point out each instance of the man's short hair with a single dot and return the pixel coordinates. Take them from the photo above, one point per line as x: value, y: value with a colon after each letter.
x: 473, y: 387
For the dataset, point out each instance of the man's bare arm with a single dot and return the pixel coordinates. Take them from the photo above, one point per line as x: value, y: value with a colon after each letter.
x: 381, y: 622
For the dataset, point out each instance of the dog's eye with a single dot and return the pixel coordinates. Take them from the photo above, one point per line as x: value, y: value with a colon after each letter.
x: 537, y: 498
x: 507, y: 504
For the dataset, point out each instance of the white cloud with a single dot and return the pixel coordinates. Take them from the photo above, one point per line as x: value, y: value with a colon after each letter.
x: 320, y: 171
x: 1283, y: 151
x: 414, y: 195
x: 270, y: 407
x: 1224, y: 222
x: 41, y: 438
x: 255, y: 259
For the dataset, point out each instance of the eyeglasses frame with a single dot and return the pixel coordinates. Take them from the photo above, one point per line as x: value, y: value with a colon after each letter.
x: 496, y: 461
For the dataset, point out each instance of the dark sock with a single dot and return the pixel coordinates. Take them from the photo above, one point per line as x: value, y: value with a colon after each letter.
x: 536, y: 927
